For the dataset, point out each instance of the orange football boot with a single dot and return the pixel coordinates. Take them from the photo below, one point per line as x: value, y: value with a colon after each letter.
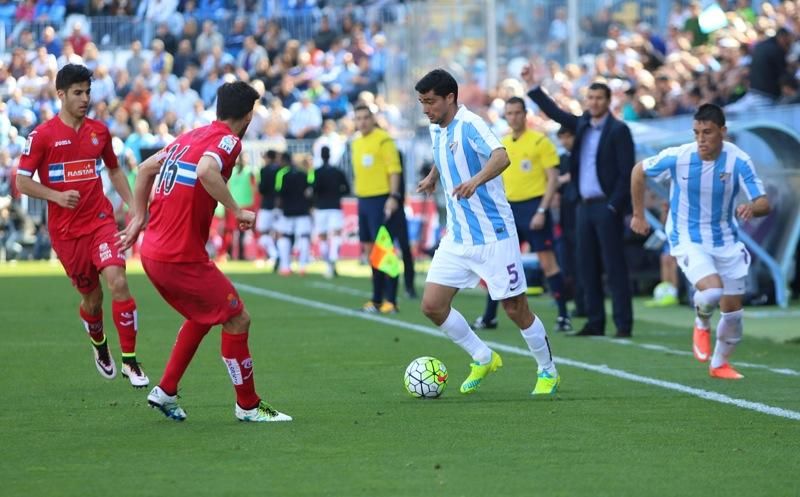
x: 701, y: 344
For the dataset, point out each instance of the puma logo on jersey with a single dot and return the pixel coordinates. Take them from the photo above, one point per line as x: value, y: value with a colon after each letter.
x: 61, y: 143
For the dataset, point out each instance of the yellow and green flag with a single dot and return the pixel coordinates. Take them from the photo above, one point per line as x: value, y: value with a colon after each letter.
x: 383, y: 257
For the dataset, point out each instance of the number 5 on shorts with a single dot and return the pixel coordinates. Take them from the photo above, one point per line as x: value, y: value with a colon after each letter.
x: 512, y: 271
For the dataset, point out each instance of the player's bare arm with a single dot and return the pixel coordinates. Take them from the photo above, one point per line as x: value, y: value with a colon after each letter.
x: 538, y: 220
x: 757, y: 208
x: 428, y: 183
x: 639, y: 224
x: 497, y: 163
x: 67, y: 199
x: 120, y: 182
x: 147, y: 172
x: 209, y: 175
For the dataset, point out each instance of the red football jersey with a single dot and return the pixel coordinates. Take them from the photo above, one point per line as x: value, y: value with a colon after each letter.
x: 70, y: 160
x: 181, y: 210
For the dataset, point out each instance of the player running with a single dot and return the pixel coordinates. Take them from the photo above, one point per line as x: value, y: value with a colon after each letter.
x: 66, y: 152
x: 481, y: 240
x: 189, y: 177
x: 705, y: 178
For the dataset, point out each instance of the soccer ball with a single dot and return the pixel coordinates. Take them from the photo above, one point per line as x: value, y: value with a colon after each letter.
x: 425, y: 377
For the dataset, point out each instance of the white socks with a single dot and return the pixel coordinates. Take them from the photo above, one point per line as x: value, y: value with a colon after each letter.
x: 336, y: 242
x: 729, y: 333
x: 536, y: 338
x: 285, y: 253
x: 268, y: 244
x: 304, y: 249
x: 457, y: 328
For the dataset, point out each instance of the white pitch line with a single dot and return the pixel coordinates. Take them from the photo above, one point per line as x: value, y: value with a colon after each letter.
x: 597, y: 368
x: 339, y: 289
x: 667, y: 350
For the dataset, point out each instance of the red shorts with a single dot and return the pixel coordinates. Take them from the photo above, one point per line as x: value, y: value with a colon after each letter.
x: 85, y: 257
x: 198, y: 290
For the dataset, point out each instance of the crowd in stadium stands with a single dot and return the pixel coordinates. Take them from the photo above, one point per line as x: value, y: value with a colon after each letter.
x: 750, y: 59
x: 166, y: 82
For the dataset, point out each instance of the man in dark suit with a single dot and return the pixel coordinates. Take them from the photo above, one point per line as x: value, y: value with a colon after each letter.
x: 601, y: 164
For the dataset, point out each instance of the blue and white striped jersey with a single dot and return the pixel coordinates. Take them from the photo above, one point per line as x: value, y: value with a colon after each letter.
x: 460, y: 151
x: 703, y: 194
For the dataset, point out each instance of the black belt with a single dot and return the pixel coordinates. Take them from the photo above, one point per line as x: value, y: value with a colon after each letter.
x: 594, y: 200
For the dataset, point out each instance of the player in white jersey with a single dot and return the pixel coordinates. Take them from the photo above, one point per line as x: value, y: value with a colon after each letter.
x: 481, y: 240
x: 705, y: 179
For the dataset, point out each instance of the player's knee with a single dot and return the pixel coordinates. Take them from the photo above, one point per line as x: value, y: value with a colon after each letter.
x: 239, y: 323
x: 516, y: 307
x: 706, y: 301
x: 434, y: 310
x: 730, y: 327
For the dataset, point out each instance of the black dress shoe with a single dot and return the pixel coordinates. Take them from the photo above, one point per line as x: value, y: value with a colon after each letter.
x: 586, y: 332
x: 623, y: 334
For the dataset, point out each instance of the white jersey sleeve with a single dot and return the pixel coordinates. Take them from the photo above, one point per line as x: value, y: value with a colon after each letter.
x: 748, y: 179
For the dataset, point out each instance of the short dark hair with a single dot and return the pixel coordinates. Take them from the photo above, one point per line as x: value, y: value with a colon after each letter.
x: 325, y: 154
x: 563, y: 130
x: 710, y: 113
x: 440, y: 81
x: 362, y: 107
x: 271, y: 155
x: 72, y: 74
x: 235, y: 100
x: 517, y: 101
x: 601, y: 86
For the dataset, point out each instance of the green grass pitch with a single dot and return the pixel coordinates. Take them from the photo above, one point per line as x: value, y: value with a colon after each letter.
x: 632, y: 418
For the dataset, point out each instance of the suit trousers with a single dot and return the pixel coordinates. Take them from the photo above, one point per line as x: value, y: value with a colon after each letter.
x: 601, y: 249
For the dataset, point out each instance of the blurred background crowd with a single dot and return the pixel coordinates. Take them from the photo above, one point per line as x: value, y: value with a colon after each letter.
x: 158, y: 63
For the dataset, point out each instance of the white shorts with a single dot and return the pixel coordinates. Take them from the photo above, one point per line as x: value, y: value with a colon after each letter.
x: 327, y: 220
x: 731, y: 264
x: 294, y: 225
x: 267, y: 219
x: 463, y: 266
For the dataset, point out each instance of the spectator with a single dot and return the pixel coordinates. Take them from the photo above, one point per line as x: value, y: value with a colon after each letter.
x: 335, y: 104
x: 185, y: 98
x: 68, y: 56
x: 136, y: 60
x: 140, y: 139
x: 208, y: 91
x: 161, y: 101
x: 51, y: 41
x: 8, y: 83
x: 208, y: 39
x: 78, y: 38
x: 91, y: 56
x: 31, y: 83
x: 234, y: 41
x: 170, y: 42
x: 119, y: 127
x: 767, y: 69
x: 251, y: 55
x: 789, y: 90
x: 332, y: 139
x: 138, y: 95
x: 557, y: 34
x: 155, y: 12
x: 50, y: 11
x: 692, y: 25
x: 161, y: 60
x: 103, y: 88
x: 183, y: 58
x: 325, y: 35
x: 306, y: 119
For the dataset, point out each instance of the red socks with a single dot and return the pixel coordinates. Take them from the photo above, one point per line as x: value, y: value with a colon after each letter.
x: 93, y: 325
x: 236, y: 356
x: 189, y: 337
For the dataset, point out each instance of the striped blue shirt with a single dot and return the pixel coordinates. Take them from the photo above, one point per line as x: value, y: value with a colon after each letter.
x: 703, y: 194
x: 460, y: 151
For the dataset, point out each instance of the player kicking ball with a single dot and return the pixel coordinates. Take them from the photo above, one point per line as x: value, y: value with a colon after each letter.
x: 481, y: 240
x: 66, y: 152
x: 187, y: 179
x: 705, y: 178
